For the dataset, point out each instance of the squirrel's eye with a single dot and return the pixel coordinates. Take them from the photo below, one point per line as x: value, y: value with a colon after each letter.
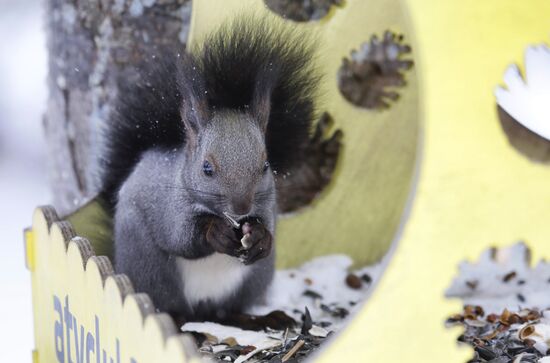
x: 207, y: 168
x: 266, y: 165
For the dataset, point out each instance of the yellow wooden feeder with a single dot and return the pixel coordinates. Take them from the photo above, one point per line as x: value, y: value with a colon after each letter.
x: 434, y: 173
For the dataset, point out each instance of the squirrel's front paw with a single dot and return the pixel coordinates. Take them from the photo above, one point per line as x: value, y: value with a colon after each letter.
x: 256, y: 242
x: 222, y: 237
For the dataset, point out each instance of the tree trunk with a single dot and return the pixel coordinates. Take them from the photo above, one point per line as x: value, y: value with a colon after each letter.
x: 90, y: 43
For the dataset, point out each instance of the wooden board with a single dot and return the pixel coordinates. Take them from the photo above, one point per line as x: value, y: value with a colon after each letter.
x: 81, y: 307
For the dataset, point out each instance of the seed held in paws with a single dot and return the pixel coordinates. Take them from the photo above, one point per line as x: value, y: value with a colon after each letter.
x: 246, y: 229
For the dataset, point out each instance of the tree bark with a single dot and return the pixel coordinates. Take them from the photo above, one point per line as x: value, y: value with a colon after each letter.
x: 90, y: 43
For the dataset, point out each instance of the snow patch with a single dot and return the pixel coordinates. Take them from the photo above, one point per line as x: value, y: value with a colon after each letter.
x: 503, y: 278
x: 317, y: 284
x: 244, y: 337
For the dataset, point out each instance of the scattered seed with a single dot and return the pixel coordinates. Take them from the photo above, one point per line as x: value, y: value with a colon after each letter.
x: 501, y: 339
x: 475, y: 323
x: 308, y: 281
x: 247, y: 349
x: 312, y: 294
x: 354, y: 281
x: 247, y: 232
x: 472, y: 284
x: 533, y: 315
x: 509, y: 276
x: 230, y: 341
x: 526, y: 331
x: 211, y: 339
x: 317, y: 331
x: 307, y: 322
x: 366, y: 278
x: 337, y: 312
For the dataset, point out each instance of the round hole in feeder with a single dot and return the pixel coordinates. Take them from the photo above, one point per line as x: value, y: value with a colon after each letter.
x: 302, y: 10
x: 371, y: 74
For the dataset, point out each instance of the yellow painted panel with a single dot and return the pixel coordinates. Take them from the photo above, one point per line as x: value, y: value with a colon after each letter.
x: 82, y: 309
x: 474, y: 188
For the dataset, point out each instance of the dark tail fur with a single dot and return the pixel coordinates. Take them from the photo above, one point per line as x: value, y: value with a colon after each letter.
x: 223, y: 72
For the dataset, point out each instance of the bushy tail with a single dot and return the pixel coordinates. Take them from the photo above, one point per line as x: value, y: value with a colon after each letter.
x: 223, y: 72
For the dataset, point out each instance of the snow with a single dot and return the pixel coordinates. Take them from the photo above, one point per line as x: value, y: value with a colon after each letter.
x: 23, y: 181
x: 325, y: 276
x: 493, y: 291
x: 243, y: 337
x: 526, y: 99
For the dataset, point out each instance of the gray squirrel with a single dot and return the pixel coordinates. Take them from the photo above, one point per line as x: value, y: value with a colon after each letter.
x: 202, y: 153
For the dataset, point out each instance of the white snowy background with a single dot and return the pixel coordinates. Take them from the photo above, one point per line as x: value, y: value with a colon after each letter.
x: 23, y: 170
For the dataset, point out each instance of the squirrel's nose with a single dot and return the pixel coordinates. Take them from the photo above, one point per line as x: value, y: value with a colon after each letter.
x: 241, y: 206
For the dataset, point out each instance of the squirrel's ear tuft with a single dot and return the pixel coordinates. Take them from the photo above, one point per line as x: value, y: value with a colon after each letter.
x: 261, y: 101
x: 194, y: 104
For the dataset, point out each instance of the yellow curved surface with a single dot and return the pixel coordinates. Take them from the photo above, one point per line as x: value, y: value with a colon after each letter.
x: 474, y: 189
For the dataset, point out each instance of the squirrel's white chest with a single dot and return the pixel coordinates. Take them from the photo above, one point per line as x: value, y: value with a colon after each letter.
x: 211, y: 278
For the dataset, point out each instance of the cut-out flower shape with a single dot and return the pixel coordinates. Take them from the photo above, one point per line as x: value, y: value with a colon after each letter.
x: 527, y: 99
x: 370, y: 76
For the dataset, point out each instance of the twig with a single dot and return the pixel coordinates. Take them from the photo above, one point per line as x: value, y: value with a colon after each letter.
x: 292, y: 351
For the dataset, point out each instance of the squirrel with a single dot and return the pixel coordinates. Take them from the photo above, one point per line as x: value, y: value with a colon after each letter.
x: 194, y: 149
